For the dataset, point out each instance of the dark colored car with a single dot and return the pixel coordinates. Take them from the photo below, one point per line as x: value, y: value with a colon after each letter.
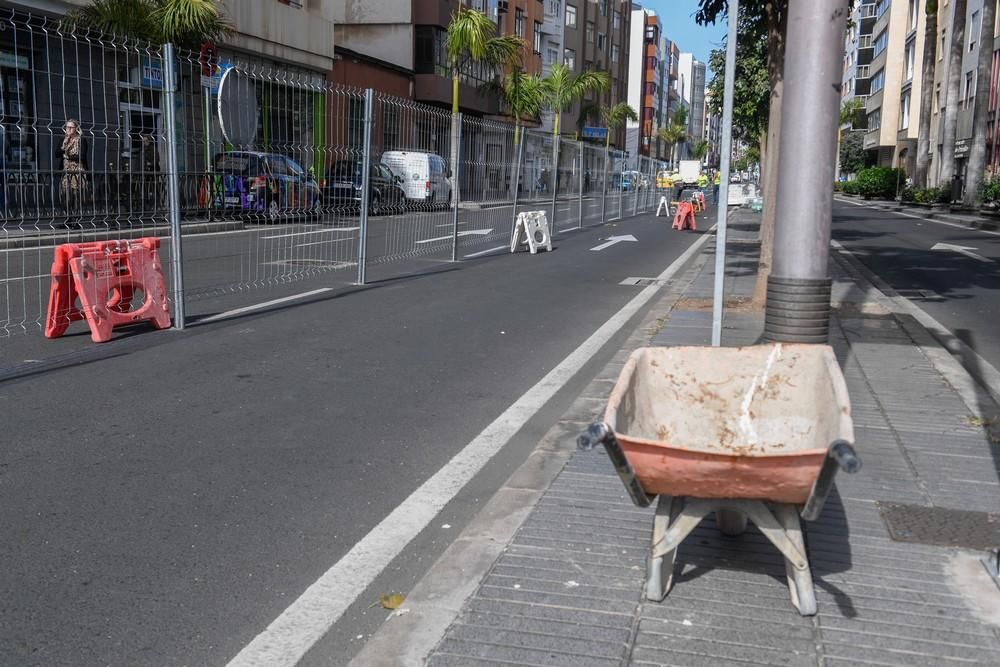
x: 342, y: 187
x: 264, y: 182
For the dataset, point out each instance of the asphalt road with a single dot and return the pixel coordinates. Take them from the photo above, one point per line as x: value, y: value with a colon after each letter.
x: 169, y: 495
x: 958, y: 289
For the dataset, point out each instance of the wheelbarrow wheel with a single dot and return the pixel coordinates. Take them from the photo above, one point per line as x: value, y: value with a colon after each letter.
x: 731, y: 522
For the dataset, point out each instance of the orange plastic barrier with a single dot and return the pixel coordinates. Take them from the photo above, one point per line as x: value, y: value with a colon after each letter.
x: 97, y: 282
x: 684, y: 218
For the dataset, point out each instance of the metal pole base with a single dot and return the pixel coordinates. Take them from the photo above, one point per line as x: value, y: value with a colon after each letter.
x: 798, y: 310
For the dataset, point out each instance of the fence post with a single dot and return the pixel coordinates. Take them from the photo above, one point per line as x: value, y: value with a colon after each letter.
x: 621, y: 190
x: 458, y: 191
x: 579, y: 224
x: 555, y: 180
x: 604, y: 188
x: 173, y: 191
x: 366, y: 165
x: 637, y: 185
x: 517, y: 180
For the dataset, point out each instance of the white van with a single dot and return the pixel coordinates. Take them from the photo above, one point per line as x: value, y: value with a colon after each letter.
x: 426, y: 177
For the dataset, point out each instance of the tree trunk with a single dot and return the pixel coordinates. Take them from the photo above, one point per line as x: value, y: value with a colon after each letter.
x: 977, y: 153
x: 777, y: 13
x: 952, y: 102
x: 926, y: 97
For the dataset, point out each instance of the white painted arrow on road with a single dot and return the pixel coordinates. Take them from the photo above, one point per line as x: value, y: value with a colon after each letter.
x: 612, y: 240
x: 962, y: 250
x: 469, y: 232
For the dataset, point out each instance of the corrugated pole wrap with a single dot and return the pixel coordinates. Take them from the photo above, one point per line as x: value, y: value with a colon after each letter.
x: 604, y: 187
x: 173, y: 189
x: 555, y: 181
x: 458, y: 191
x: 517, y: 180
x: 722, y: 219
x: 366, y: 165
x: 579, y: 223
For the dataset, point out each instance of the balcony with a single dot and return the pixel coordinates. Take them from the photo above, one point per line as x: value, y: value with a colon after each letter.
x: 553, y: 8
x: 864, y: 71
x: 866, y: 42
x: 867, y: 11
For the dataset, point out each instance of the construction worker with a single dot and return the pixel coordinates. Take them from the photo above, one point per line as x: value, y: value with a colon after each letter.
x: 702, y: 181
x: 715, y: 187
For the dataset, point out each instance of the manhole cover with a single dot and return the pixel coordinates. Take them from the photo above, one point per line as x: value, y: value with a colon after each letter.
x: 941, y: 526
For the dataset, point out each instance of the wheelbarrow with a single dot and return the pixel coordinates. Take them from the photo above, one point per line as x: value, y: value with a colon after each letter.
x: 754, y: 433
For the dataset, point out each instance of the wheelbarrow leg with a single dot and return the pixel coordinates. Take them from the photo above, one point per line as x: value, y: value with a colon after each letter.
x: 660, y: 575
x: 800, y: 583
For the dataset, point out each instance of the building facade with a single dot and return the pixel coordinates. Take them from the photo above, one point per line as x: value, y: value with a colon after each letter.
x: 646, y: 94
x: 691, y: 89
x: 597, y: 37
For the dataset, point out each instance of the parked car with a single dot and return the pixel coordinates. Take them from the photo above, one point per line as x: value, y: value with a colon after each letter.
x: 267, y: 183
x: 342, y: 187
x: 426, y: 177
x: 633, y: 180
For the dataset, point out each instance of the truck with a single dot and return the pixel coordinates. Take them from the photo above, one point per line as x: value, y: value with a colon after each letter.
x: 690, y: 170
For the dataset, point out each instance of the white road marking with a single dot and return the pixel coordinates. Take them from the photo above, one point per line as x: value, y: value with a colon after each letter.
x: 287, y: 639
x: 315, y: 231
x: 486, y: 252
x: 612, y: 240
x: 918, y: 217
x: 258, y: 306
x: 327, y: 242
x: 13, y: 280
x: 962, y: 250
x: 468, y: 232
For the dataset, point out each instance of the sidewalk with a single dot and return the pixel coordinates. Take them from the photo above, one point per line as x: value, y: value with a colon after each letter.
x: 565, y: 586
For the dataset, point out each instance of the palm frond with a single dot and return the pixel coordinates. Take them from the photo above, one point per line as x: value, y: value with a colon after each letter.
x: 503, y: 51
x: 614, y: 115
x: 116, y: 17
x: 190, y: 22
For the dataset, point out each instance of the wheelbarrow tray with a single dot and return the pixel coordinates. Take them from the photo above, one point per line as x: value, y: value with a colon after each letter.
x: 746, y: 423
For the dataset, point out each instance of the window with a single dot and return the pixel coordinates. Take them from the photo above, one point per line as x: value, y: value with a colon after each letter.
x: 590, y: 32
x: 875, y: 120
x: 650, y: 62
x: 618, y: 20
x: 519, y: 23
x: 570, y: 16
x: 551, y: 55
x: 878, y: 81
x: 651, y: 34
x: 588, y: 65
x: 914, y: 9
x: 882, y: 8
x: 569, y: 58
x: 881, y: 42
x: 602, y: 41
x: 944, y: 43
x: 911, y: 50
x: 974, y: 30
x: 649, y: 88
x: 970, y: 88
x: 904, y: 111
x: 536, y: 38
x: 614, y: 53
x: 604, y: 7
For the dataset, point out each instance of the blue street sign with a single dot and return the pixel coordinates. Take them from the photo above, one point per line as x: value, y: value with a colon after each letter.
x: 594, y: 133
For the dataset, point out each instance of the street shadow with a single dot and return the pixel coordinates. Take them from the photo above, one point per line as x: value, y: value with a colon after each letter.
x: 989, y: 411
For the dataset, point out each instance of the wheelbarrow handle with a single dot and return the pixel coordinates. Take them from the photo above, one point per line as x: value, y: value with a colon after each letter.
x: 600, y: 433
x: 840, y: 455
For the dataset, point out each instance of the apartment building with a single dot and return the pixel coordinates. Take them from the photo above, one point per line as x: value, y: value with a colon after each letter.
x: 713, y: 133
x: 551, y: 40
x: 646, y: 76
x: 858, y: 51
x: 691, y: 88
x: 596, y: 36
x: 893, y: 103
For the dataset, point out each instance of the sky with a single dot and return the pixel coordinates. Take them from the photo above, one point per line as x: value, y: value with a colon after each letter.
x: 677, y: 19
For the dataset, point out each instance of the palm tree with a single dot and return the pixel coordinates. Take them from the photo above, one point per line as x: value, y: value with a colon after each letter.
x: 563, y: 88
x: 849, y: 111
x: 187, y: 23
x: 926, y: 94
x: 522, y: 97
x: 675, y: 132
x: 614, y: 116
x: 699, y: 149
x: 472, y: 38
x: 977, y: 152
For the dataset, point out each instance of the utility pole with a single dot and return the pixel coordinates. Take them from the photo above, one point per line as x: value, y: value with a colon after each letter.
x: 798, y: 289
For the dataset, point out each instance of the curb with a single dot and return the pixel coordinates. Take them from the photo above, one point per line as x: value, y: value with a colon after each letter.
x: 439, y: 596
x: 983, y: 224
x: 78, y: 236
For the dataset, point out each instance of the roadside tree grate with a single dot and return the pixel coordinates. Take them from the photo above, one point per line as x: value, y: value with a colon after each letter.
x: 941, y: 526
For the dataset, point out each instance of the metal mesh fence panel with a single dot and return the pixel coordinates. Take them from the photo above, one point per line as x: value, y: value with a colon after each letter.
x: 80, y: 123
x: 269, y: 161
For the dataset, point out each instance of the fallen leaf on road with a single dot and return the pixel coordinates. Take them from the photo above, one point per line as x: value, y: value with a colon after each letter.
x: 393, y: 601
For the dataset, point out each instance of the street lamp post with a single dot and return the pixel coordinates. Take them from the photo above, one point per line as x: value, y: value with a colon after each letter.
x: 798, y: 289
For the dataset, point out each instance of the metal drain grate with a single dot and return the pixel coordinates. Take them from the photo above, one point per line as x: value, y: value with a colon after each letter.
x: 641, y: 282
x: 941, y: 526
